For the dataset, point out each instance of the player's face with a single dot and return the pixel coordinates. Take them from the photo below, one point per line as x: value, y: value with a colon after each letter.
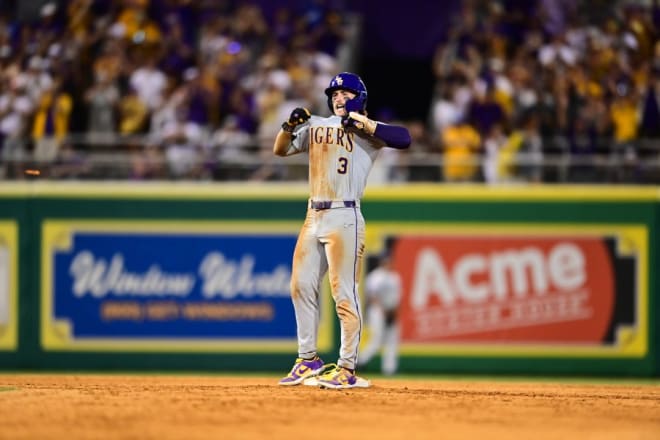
x: 339, y: 98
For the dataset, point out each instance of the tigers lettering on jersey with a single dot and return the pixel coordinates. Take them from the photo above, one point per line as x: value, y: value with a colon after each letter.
x: 323, y: 135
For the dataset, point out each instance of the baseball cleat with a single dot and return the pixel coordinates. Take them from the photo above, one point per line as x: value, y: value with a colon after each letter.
x: 341, y: 378
x: 302, y: 370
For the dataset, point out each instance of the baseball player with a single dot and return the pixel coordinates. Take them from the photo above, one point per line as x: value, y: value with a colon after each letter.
x: 383, y: 292
x: 342, y: 149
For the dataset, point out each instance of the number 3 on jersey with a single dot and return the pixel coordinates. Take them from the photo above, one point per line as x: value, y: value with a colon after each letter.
x: 343, y: 165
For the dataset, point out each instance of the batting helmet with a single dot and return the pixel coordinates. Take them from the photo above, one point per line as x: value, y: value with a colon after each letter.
x: 352, y: 83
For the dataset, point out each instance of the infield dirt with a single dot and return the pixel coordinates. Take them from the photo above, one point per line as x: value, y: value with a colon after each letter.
x: 220, y: 407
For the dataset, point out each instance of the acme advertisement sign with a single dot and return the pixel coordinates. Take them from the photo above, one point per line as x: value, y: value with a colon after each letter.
x: 522, y: 292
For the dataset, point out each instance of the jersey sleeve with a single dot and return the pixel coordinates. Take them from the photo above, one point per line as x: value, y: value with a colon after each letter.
x: 299, y: 140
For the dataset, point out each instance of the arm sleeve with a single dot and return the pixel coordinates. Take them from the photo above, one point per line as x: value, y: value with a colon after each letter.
x: 296, y: 144
x: 394, y: 136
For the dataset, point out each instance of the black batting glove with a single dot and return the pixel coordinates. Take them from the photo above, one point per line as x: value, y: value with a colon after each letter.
x: 298, y: 116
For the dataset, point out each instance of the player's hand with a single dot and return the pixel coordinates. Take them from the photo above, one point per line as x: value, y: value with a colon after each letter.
x: 361, y: 122
x: 351, y: 105
x: 298, y: 116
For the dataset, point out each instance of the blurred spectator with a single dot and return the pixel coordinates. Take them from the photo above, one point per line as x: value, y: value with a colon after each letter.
x: 557, y: 51
x: 135, y: 24
x: 213, y: 38
x: 50, y: 23
x: 485, y: 111
x: 249, y: 27
x: 231, y: 150
x: 149, y: 82
x: 583, y: 148
x: 199, y: 101
x: 111, y: 62
x: 51, y: 122
x: 650, y: 118
x: 283, y: 26
x: 37, y: 77
x: 80, y: 14
x: 553, y: 14
x: 15, y: 110
x: 102, y: 99
x: 415, y: 165
x: 182, y: 143
x: 244, y: 109
x: 133, y: 114
x: 461, y: 144
x: 445, y: 109
x: 524, y: 96
x: 178, y: 53
x: 625, y: 119
x: 329, y: 35
x: 187, y: 14
x: 495, y: 167
x: 269, y: 104
x: 531, y: 153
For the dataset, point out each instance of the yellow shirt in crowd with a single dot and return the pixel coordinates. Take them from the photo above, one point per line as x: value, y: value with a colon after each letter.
x: 461, y: 146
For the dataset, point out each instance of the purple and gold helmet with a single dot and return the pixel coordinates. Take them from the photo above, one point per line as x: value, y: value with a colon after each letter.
x: 352, y: 83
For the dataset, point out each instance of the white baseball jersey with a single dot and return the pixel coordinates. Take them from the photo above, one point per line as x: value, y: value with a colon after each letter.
x: 332, y: 237
x: 339, y: 160
x: 384, y: 286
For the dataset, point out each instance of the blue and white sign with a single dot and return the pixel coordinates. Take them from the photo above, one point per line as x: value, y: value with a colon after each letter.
x: 172, y: 285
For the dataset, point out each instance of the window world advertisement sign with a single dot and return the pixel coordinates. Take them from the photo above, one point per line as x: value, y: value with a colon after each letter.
x: 154, y: 286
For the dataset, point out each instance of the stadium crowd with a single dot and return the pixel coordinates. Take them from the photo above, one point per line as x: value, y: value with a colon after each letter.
x: 169, y: 82
x: 534, y: 91
x: 549, y: 90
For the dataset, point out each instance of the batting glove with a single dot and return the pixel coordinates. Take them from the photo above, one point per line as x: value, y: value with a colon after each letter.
x: 360, y: 122
x: 298, y: 116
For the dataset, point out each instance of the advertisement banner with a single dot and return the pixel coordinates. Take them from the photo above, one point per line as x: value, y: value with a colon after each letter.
x: 8, y: 285
x: 149, y: 285
x: 529, y: 290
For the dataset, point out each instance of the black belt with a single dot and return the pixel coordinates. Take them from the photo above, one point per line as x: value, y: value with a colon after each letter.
x: 328, y: 204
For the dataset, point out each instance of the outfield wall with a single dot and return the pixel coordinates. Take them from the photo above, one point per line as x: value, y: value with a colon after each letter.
x: 511, y: 280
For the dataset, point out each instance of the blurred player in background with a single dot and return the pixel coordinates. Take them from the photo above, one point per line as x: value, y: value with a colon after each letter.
x: 342, y: 149
x: 383, y: 294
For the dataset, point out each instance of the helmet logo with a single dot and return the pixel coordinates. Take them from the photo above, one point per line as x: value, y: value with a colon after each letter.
x: 339, y: 80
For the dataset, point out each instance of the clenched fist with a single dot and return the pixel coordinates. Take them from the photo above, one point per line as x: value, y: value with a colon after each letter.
x: 298, y: 116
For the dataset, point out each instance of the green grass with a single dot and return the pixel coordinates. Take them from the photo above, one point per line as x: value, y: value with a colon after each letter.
x: 6, y: 389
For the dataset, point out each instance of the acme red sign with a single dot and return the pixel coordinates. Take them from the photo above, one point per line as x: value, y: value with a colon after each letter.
x: 504, y: 289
